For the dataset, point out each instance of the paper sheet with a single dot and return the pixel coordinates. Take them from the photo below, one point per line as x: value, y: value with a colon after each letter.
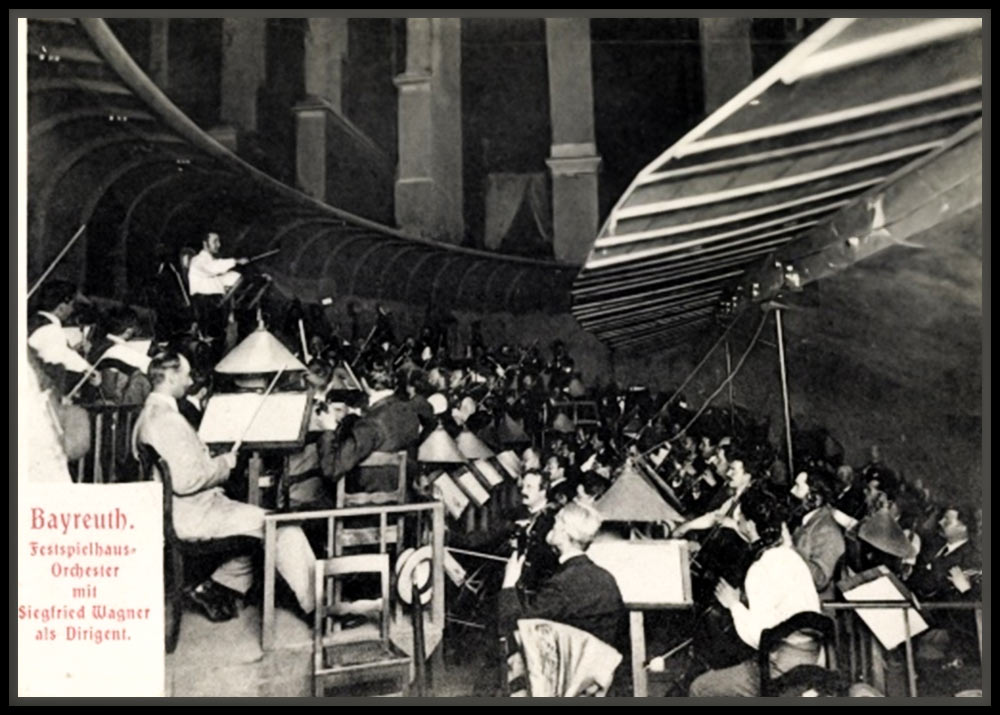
x: 227, y: 416
x: 887, y: 624
x: 467, y: 480
x: 445, y: 490
x: 650, y: 573
x: 488, y: 472
x: 511, y: 463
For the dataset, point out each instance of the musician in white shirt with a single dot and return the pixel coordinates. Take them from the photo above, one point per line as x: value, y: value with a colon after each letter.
x: 777, y: 586
x: 46, y: 336
x: 209, y: 277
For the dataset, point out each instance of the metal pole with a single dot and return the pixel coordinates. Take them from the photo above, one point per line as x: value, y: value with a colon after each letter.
x: 732, y: 408
x: 784, y: 393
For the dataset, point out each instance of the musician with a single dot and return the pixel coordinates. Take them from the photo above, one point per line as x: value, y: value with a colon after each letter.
x: 123, y: 367
x: 209, y: 277
x: 539, y: 560
x: 579, y: 593
x: 818, y: 539
x: 950, y: 570
x: 947, y: 568
x: 172, y: 297
x: 850, y: 497
x: 56, y: 304
x: 738, y: 477
x: 388, y: 424
x: 201, y: 510
x: 778, y: 585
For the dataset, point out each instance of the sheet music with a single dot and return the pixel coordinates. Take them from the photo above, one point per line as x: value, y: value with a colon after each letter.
x: 228, y: 415
x: 634, y: 564
x: 490, y: 473
x: 887, y: 624
x: 467, y: 480
x: 445, y: 490
x: 511, y: 463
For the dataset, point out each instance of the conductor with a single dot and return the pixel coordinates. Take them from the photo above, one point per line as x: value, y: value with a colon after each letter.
x: 209, y: 277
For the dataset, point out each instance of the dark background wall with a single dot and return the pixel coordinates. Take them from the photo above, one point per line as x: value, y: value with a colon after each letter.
x: 889, y: 352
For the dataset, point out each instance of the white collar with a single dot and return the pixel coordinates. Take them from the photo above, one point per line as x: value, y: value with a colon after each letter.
x: 563, y: 558
x: 377, y: 396
x: 165, y: 400
x: 117, y: 340
x: 52, y: 317
x: 954, y: 547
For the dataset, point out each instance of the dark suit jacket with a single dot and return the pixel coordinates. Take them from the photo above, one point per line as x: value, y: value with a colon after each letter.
x: 852, y: 502
x: 580, y: 594
x: 391, y: 425
x: 929, y: 579
x: 821, y: 544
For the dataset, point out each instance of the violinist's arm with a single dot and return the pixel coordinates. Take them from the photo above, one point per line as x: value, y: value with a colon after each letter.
x: 700, y: 523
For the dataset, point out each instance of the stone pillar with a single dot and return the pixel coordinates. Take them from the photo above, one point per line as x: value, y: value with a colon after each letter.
x: 244, y: 42
x: 726, y: 61
x: 325, y: 70
x: 326, y: 59
x: 574, y: 160
x: 159, y: 36
x: 429, y: 185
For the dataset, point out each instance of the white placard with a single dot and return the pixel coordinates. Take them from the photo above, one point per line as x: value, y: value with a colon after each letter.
x: 467, y: 480
x: 649, y: 573
x: 511, y: 463
x: 446, y: 491
x: 228, y: 415
x: 887, y: 624
x: 90, y: 590
x: 490, y: 473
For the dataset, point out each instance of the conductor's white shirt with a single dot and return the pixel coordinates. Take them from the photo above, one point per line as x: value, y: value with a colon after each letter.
x: 209, y: 275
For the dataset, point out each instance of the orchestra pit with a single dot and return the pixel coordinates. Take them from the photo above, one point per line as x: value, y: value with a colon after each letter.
x: 543, y: 357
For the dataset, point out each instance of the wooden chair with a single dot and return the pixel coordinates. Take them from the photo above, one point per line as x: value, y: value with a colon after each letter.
x: 815, y: 624
x: 551, y: 659
x: 381, y: 464
x: 346, y: 660
x: 154, y: 468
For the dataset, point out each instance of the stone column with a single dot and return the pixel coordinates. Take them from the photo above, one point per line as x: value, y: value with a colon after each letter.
x: 159, y: 44
x: 574, y: 160
x: 428, y: 195
x: 244, y: 43
x: 326, y: 59
x: 325, y: 70
x: 727, y: 64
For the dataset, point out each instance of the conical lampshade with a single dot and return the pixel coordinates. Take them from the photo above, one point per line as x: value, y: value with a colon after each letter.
x: 259, y: 352
x: 471, y: 446
x: 440, y: 448
x: 563, y: 424
x: 510, y: 432
x: 575, y: 389
x: 633, y: 498
x: 881, y: 531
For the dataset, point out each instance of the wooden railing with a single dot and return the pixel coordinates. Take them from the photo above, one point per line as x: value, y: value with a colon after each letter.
x: 419, y: 531
x: 862, y: 654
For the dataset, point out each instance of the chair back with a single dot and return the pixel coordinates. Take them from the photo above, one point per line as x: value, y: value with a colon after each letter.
x: 153, y: 468
x: 338, y: 568
x: 562, y: 661
x: 816, y: 625
x: 383, y: 468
